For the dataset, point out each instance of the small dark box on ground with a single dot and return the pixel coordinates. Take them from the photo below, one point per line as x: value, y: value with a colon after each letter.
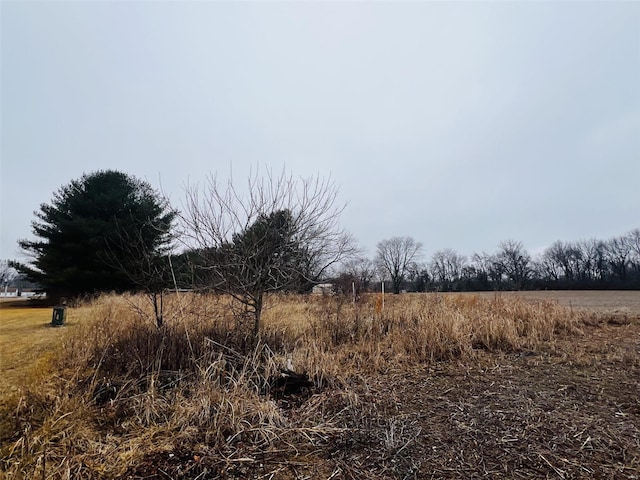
x: 58, y: 317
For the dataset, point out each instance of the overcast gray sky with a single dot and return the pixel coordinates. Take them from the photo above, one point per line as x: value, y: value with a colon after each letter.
x: 460, y: 124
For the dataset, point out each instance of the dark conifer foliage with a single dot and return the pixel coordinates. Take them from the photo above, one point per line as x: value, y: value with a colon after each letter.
x: 80, y: 233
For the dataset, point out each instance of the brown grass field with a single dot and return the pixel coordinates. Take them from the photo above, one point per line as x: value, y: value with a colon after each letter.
x: 435, y: 386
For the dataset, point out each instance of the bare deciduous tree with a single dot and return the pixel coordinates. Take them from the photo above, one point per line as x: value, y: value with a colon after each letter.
x: 513, y: 262
x: 572, y: 264
x: 148, y: 266
x: 397, y: 257
x: 7, y: 272
x: 361, y: 269
x: 355, y: 275
x: 447, y: 267
x: 634, y: 240
x: 281, y: 233
x: 618, y: 251
x: 481, y: 269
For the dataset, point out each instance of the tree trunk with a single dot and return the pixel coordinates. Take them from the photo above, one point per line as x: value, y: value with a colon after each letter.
x: 157, y: 308
x: 257, y: 314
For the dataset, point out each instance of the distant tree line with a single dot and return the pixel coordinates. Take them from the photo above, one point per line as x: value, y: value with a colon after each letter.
x: 578, y: 265
x: 109, y: 231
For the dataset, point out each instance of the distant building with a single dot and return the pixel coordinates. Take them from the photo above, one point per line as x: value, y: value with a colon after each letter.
x: 19, y: 286
x: 323, y: 289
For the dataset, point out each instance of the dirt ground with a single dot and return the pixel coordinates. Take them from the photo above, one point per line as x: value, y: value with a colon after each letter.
x: 526, y: 415
x: 571, y: 411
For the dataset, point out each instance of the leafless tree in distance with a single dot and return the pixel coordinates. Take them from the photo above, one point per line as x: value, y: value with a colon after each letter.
x: 634, y: 239
x: 7, y: 272
x: 513, y: 262
x: 618, y: 251
x: 396, y: 257
x: 447, y: 267
x: 361, y: 269
x: 281, y: 233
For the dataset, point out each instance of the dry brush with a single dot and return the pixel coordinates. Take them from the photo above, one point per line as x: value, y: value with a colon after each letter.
x: 121, y: 388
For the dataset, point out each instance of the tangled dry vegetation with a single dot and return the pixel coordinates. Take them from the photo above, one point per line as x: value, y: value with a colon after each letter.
x: 430, y: 387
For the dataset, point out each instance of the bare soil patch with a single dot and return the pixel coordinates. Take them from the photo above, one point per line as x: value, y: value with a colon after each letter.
x: 526, y: 415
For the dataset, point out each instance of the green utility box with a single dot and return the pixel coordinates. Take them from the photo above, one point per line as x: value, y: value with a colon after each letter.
x: 58, y: 317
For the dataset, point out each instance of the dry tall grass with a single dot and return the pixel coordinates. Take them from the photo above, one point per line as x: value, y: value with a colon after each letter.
x: 124, y: 388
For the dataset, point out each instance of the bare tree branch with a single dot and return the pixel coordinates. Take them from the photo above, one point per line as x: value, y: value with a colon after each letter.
x: 280, y: 233
x: 396, y: 258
